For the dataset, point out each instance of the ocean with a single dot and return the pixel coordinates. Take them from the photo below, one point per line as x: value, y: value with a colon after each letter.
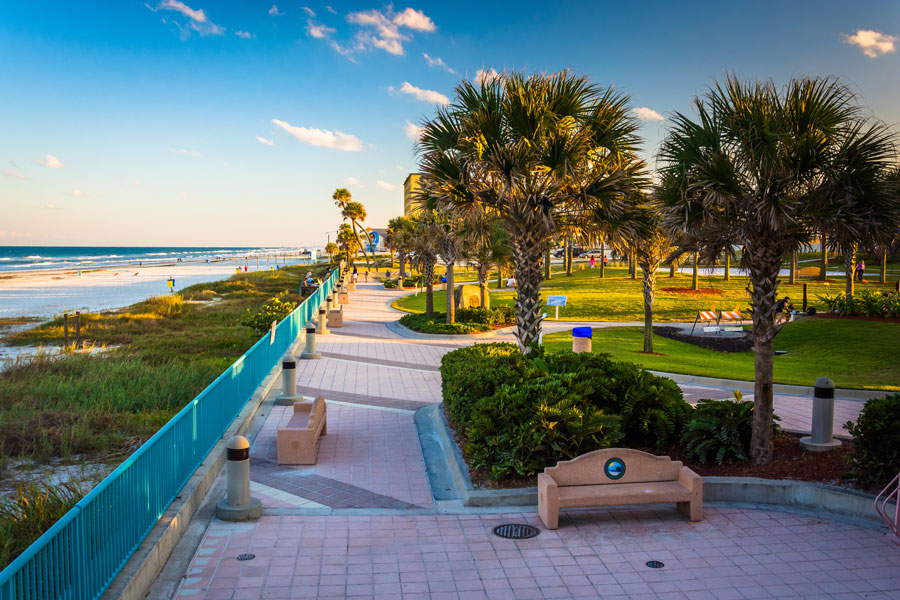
x: 20, y: 259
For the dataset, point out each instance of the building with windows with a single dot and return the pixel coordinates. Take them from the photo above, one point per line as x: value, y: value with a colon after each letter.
x: 410, y: 187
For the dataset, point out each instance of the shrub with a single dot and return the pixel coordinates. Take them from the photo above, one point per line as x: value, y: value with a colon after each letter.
x: 273, y: 310
x: 498, y: 315
x: 722, y: 428
x: 866, y: 303
x: 876, y: 442
x: 30, y: 512
x: 164, y: 306
x: 520, y: 414
x: 436, y: 324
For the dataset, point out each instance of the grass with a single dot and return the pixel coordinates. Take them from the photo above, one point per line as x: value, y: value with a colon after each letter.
x: 617, y: 297
x: 164, y: 351
x: 34, y: 509
x: 855, y: 354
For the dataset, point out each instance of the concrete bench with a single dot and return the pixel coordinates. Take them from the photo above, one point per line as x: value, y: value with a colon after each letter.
x: 809, y: 272
x: 335, y: 318
x: 617, y: 476
x: 298, y: 442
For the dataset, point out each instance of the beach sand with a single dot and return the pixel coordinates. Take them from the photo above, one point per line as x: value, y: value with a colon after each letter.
x: 45, y: 294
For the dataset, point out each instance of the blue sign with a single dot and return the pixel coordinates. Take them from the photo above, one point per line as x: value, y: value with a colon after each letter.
x: 614, y: 468
x: 556, y: 300
x: 374, y: 237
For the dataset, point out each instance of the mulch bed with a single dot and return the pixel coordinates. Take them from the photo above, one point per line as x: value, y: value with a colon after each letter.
x: 724, y: 343
x: 698, y: 292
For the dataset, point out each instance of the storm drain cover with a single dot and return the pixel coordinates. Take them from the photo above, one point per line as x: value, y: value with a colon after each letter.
x: 246, y: 556
x: 655, y: 564
x: 516, y: 531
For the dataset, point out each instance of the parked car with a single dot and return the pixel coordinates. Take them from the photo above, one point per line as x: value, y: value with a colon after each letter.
x: 594, y: 253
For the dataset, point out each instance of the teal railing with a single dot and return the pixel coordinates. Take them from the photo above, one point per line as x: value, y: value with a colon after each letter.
x: 80, y: 555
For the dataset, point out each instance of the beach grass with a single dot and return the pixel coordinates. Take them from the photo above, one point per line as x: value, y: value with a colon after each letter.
x: 160, y: 354
x: 855, y: 354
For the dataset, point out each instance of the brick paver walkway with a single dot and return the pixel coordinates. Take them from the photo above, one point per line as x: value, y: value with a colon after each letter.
x: 362, y: 523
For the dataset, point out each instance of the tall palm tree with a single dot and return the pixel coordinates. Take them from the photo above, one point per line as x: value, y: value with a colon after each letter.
x: 651, y: 243
x: 331, y: 248
x: 348, y: 241
x: 527, y: 149
x: 751, y: 167
x: 423, y: 243
x: 355, y: 212
x: 398, y: 238
x: 488, y: 247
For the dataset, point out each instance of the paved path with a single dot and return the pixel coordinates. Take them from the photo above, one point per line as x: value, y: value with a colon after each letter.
x: 362, y: 523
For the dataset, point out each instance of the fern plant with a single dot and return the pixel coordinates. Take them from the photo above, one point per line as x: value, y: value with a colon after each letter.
x: 721, y: 429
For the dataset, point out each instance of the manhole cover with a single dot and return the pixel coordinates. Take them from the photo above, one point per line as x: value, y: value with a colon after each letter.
x: 516, y: 531
x: 246, y: 556
x: 655, y: 564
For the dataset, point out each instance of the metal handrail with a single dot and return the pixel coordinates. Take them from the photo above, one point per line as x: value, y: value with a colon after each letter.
x: 881, y: 506
x: 80, y: 555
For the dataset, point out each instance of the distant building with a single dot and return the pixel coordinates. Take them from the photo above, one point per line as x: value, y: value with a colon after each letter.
x: 410, y: 187
x: 377, y: 237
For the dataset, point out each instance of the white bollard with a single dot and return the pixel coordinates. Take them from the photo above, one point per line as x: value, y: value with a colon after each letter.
x: 288, y: 394
x: 310, y: 352
x: 237, y: 504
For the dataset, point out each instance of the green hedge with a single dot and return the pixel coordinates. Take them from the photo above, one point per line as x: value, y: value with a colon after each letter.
x: 520, y: 414
x: 876, y: 442
x: 721, y: 429
x: 468, y: 320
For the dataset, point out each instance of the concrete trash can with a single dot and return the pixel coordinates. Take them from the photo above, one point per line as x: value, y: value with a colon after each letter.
x: 581, y: 339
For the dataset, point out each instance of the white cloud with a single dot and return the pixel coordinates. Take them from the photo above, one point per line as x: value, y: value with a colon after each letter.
x: 353, y: 181
x: 78, y: 193
x: 13, y: 234
x: 51, y: 161
x: 413, y: 131
x: 376, y: 20
x: 438, y: 62
x: 422, y: 94
x: 308, y: 11
x: 482, y: 76
x: 265, y: 141
x: 331, y: 10
x: 274, y: 11
x: 183, y: 152
x: 414, y: 19
x: 199, y: 22
x: 318, y: 31
x: 244, y: 34
x: 872, y: 43
x: 388, y: 187
x: 322, y: 137
x: 388, y: 45
x: 647, y: 114
x: 16, y: 174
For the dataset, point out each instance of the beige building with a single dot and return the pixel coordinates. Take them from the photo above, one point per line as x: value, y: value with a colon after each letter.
x: 410, y: 187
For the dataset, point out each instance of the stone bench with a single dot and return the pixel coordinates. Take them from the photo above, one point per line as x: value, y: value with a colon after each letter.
x: 335, y: 318
x: 809, y: 272
x: 614, y: 477
x: 298, y: 441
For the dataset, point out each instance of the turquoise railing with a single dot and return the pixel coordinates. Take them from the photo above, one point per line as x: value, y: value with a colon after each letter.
x: 80, y: 555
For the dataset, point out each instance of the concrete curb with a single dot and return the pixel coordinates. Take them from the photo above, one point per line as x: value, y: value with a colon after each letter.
x: 833, y: 501
x: 408, y: 333
x: 142, y: 569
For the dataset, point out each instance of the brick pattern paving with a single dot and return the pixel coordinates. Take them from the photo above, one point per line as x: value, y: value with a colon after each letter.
x: 734, y: 553
x: 410, y: 405
x: 382, y: 361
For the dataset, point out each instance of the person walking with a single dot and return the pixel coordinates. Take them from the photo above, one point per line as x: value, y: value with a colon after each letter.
x: 593, y: 260
x: 860, y: 270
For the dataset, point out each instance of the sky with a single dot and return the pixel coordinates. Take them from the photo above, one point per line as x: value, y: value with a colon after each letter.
x: 232, y: 123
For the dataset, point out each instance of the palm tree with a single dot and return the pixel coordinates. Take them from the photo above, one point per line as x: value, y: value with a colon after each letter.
x: 424, y: 246
x: 751, y: 167
x: 355, y: 212
x: 348, y: 240
x: 527, y: 149
x: 397, y: 238
x: 651, y: 243
x: 488, y: 246
x: 331, y: 248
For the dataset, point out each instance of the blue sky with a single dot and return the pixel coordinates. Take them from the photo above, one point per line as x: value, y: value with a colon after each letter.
x: 213, y: 123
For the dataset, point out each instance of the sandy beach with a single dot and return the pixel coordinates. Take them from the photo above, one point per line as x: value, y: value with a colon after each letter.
x: 44, y: 294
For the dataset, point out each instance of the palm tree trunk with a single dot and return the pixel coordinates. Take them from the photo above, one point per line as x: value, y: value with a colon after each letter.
x: 672, y: 266
x: 694, y: 272
x: 848, y: 251
x: 765, y: 263
x: 632, y: 265
x: 451, y: 305
x: 428, y: 276
x: 527, y: 257
x: 568, y: 256
x: 602, y: 258
x: 793, y: 276
x: 363, y: 246
x: 823, y: 240
x: 882, y: 275
x: 484, y: 271
x: 401, y: 273
x: 547, y: 263
x: 649, y: 267
x: 727, y: 266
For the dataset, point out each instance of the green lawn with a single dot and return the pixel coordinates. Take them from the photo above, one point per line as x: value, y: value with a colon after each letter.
x: 855, y: 354
x: 617, y: 297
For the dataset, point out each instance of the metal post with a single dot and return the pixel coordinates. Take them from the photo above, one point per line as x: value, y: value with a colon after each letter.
x: 310, y: 352
x: 288, y: 382
x: 238, y: 505
x: 805, y: 290
x: 822, y: 438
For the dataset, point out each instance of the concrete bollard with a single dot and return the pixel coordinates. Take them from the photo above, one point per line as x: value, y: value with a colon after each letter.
x: 288, y: 382
x: 237, y: 504
x: 310, y: 351
x: 322, y: 328
x: 328, y: 305
x: 822, y: 438
x: 581, y: 339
